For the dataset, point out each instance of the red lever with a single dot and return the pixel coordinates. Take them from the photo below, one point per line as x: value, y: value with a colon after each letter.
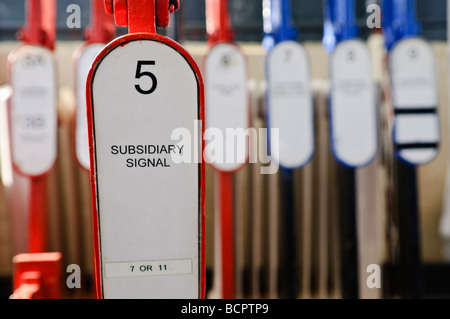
x: 218, y: 22
x: 37, y: 229
x: 30, y: 286
x: 102, y: 28
x: 219, y: 29
x: 142, y: 15
x: 227, y: 233
x: 37, y: 276
x: 40, y: 28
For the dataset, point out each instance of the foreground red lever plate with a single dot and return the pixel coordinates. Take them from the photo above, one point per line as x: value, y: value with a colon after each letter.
x: 145, y: 114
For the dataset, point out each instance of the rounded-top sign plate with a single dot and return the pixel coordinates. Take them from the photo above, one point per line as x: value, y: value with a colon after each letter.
x: 227, y: 105
x: 143, y: 117
x: 290, y: 104
x: 415, y: 99
x: 353, y: 114
x: 83, y: 64
x: 33, y: 110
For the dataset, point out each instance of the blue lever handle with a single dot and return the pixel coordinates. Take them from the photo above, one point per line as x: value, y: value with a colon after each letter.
x: 339, y: 22
x: 278, y: 24
x: 399, y: 20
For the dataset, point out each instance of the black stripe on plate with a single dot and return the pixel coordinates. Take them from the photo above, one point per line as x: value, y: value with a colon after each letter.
x: 415, y: 111
x: 411, y: 146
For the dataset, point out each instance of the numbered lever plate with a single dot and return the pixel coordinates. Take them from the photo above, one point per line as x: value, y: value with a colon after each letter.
x: 84, y: 59
x: 227, y: 107
x: 353, y: 114
x: 412, y: 67
x: 145, y: 109
x: 290, y: 104
x: 33, y: 110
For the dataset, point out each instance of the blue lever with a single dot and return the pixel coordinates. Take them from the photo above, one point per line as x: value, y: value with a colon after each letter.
x: 340, y: 25
x: 400, y: 20
x: 278, y: 27
x: 278, y: 24
x: 339, y: 22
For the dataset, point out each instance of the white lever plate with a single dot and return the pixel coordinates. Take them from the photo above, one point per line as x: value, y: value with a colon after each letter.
x: 353, y: 114
x: 34, y: 116
x: 149, y: 208
x: 83, y: 64
x: 415, y: 99
x: 290, y: 104
x: 227, y: 107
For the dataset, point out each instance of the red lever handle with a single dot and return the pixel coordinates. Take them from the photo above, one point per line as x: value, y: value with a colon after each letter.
x: 40, y: 28
x: 142, y: 15
x: 218, y: 22
x: 102, y: 28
